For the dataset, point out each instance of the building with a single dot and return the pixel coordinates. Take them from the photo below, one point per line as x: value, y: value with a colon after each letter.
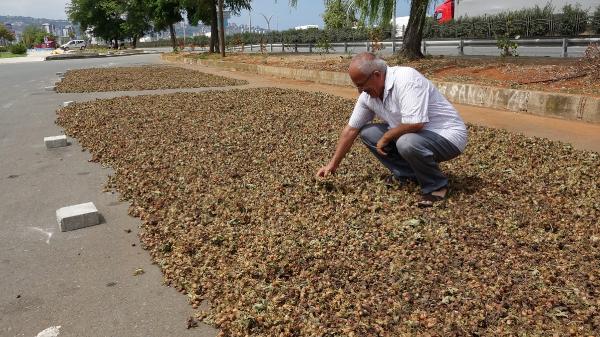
x: 306, y: 27
x: 49, y: 28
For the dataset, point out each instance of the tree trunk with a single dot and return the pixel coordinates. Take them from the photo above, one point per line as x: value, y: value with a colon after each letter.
x: 411, y: 42
x: 214, y: 29
x: 116, y: 43
x: 173, y: 38
x: 134, y: 41
x: 221, y: 29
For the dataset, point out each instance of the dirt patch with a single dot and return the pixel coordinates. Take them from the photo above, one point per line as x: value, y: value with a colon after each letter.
x: 139, y: 78
x: 224, y: 183
x: 493, y: 71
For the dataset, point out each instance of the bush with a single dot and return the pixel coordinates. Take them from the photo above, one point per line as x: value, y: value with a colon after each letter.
x: 596, y: 21
x: 529, y: 22
x: 3, y: 49
x: 18, y: 49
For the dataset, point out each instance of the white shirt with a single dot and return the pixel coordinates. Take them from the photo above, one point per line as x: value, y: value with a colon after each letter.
x: 410, y: 98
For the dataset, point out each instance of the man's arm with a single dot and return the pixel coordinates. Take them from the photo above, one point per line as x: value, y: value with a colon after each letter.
x: 395, y: 133
x: 344, y: 144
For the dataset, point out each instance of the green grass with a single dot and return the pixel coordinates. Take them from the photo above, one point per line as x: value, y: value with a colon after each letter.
x: 8, y: 54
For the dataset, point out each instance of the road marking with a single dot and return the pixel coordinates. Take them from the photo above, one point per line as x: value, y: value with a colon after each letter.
x: 48, y: 234
x: 52, y: 331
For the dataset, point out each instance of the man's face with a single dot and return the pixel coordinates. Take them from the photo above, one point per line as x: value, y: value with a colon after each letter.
x: 372, y: 83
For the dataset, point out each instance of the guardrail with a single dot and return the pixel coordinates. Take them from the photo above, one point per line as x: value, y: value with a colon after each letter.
x: 460, y: 44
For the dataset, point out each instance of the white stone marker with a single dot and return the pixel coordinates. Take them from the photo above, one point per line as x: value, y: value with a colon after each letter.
x: 55, y: 141
x: 50, y: 88
x: 77, y: 216
x: 67, y: 103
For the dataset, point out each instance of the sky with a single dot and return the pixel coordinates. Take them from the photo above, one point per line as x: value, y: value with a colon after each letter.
x: 307, y: 12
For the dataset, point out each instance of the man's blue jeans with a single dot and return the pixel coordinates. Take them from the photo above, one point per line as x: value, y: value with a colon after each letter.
x: 413, y: 155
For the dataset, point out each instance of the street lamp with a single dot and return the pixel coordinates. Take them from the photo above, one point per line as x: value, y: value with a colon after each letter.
x: 268, y: 21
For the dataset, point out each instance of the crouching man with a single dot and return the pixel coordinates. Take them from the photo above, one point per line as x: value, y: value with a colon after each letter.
x: 421, y: 128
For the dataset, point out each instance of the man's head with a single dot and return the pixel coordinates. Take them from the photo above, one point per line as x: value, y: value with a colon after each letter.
x: 367, y: 71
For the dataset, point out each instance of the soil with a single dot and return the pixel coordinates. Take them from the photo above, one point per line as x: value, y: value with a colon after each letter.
x: 515, y: 73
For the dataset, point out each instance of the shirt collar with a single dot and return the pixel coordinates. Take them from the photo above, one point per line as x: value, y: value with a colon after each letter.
x: 389, y: 82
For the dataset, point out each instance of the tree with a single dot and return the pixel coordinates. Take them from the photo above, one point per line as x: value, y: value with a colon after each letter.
x: 165, y: 14
x: 202, y: 11
x: 411, y: 41
x: 111, y: 20
x: 206, y: 12
x: 382, y: 11
x: 137, y: 19
x: 102, y: 18
x: 339, y: 14
x: 33, y: 35
x: 5, y: 34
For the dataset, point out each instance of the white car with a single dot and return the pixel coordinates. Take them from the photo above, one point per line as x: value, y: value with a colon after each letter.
x: 74, y: 44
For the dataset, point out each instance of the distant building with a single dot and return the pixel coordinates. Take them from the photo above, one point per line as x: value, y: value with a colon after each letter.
x: 67, y: 31
x: 49, y: 28
x: 305, y: 27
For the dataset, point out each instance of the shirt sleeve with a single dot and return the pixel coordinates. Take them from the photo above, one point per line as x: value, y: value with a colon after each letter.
x: 414, y: 103
x: 361, y: 114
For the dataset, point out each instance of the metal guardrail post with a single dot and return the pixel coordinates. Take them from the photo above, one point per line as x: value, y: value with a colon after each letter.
x: 295, y: 47
x: 271, y: 47
x: 310, y: 47
x: 461, y: 47
x: 345, y: 46
x: 250, y: 46
x: 282, y: 47
x: 424, y: 47
x: 367, y: 44
x: 565, y: 45
x: 393, y: 45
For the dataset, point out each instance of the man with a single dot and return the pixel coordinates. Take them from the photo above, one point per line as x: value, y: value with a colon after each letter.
x: 421, y: 127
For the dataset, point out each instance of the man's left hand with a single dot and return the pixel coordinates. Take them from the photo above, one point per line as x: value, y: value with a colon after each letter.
x: 381, y: 144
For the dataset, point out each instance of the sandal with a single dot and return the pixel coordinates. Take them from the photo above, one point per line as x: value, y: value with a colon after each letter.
x: 429, y: 199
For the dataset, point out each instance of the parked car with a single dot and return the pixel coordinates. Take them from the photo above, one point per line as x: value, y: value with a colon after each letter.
x: 74, y: 44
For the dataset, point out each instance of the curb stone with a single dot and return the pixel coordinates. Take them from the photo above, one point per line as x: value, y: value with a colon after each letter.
x: 564, y: 106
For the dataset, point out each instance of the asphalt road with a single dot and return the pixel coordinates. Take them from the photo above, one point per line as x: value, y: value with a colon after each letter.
x: 82, y: 280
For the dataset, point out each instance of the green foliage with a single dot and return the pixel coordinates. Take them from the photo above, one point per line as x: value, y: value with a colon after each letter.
x: 377, y: 11
x: 111, y: 20
x: 33, y: 35
x: 3, y: 49
x: 596, y: 21
x: 313, y: 36
x: 137, y: 18
x: 324, y: 45
x: 103, y: 18
x: 5, y: 34
x: 507, y: 46
x: 529, y: 22
x: 165, y: 13
x: 18, y: 49
x: 573, y: 20
x: 339, y: 14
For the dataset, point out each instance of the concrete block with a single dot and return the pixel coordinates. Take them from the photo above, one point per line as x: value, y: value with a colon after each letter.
x: 55, y: 141
x: 67, y: 103
x: 77, y: 216
x: 50, y: 88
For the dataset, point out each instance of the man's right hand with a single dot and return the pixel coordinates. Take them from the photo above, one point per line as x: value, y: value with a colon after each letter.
x: 326, y: 170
